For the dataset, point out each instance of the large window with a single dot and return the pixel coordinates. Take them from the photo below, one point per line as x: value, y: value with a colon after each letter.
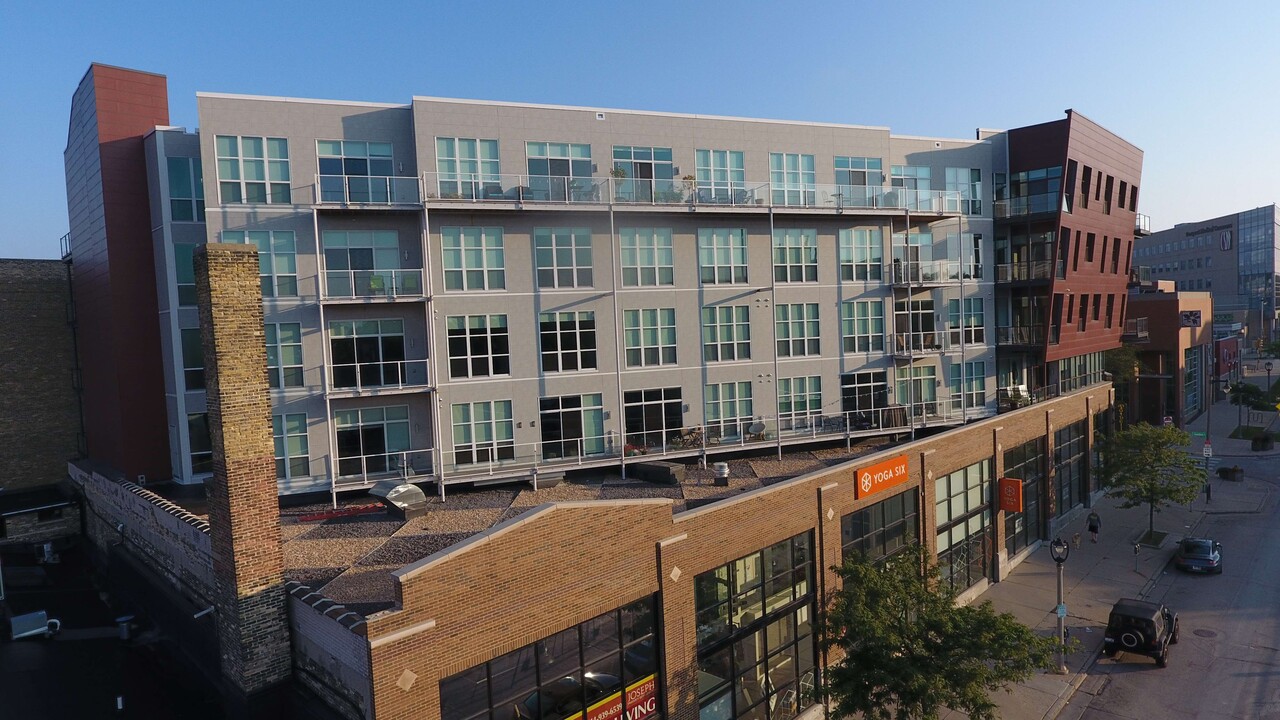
x: 728, y: 409
x: 479, y: 346
x: 968, y: 385
x: 648, y: 259
x: 290, y: 435
x: 483, y: 432
x: 799, y: 398
x: 468, y: 168
x: 277, y: 259
x: 1026, y: 463
x: 372, y: 440
x: 252, y: 170
x: 367, y: 353
x: 1071, y: 461
x: 366, y: 264
x: 722, y: 256
x: 572, y: 426
x: 646, y: 173
x: 862, y: 391
x: 721, y: 176
x: 964, y: 190
x: 284, y: 355
x: 201, y: 443
x: 795, y: 255
x: 861, y: 254
x: 568, y: 341
x: 355, y: 171
x: 558, y: 171
x: 755, y: 639
x: 608, y: 664
x: 793, y: 179
x: 192, y: 359
x: 474, y: 258
x: 862, y: 325
x: 563, y: 257
x: 186, y: 190
x: 882, y: 530
x: 726, y: 333
x: 797, y: 329
x: 914, y: 185
x: 649, y: 337
x: 861, y: 179
x: 652, y: 416
x: 964, y: 525
x: 968, y: 326
x: 184, y: 271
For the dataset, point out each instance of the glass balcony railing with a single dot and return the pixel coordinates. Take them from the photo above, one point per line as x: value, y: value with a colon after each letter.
x: 1142, y: 225
x: 372, y: 284
x: 930, y: 272
x: 1020, y: 335
x: 369, y: 190
x: 384, y: 375
x: 1024, y: 271
x: 356, y: 471
x: 1030, y: 205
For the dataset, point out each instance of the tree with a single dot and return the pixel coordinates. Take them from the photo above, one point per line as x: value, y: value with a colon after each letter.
x: 1148, y: 465
x: 909, y: 650
x: 1121, y: 362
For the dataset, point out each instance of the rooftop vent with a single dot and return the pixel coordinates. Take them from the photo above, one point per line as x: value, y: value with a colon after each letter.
x: 402, y: 500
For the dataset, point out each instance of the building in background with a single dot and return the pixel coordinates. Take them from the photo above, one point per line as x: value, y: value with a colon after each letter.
x: 1173, y: 335
x: 472, y: 291
x: 1233, y: 257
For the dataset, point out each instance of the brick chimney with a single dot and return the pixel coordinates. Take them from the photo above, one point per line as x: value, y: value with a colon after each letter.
x: 244, y: 517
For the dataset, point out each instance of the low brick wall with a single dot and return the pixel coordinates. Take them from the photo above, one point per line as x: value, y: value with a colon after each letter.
x: 330, y: 651
x: 28, y: 529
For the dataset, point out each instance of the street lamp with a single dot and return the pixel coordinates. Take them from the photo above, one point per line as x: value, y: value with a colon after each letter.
x: 1059, y: 549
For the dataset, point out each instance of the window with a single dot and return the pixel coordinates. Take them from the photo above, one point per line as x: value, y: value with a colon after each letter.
x: 968, y: 385
x: 252, y: 170
x: 184, y: 271
x: 608, y: 663
x: 728, y: 409
x: 862, y: 179
x: 648, y: 259
x: 553, y: 168
x: 563, y: 256
x: 483, y: 432
x: 572, y: 426
x: 192, y: 359
x: 474, y: 258
x: 652, y: 416
x: 372, y: 440
x: 1071, y: 466
x: 964, y: 190
x: 354, y: 171
x: 792, y: 178
x: 797, y: 329
x: 861, y: 254
x: 917, y: 386
x: 862, y: 325
x: 795, y: 255
x: 284, y: 355
x: 568, y: 341
x: 646, y: 173
x: 969, y: 326
x: 290, y: 435
x: 1111, y: 307
x: 726, y: 333
x: 366, y: 353
x: 755, y: 644
x: 201, y: 443
x: 366, y: 264
x: 914, y: 181
x: 798, y: 398
x: 277, y: 259
x: 964, y: 525
x: 721, y: 176
x: 722, y: 256
x: 468, y: 168
x: 479, y: 346
x: 186, y: 190
x: 861, y: 391
x: 650, y: 336
x: 882, y: 530
x: 1024, y: 462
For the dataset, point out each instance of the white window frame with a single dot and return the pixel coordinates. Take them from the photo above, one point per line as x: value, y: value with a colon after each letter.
x: 648, y: 257
x: 466, y: 177
x: 577, y: 327
x: 795, y: 255
x: 291, y: 446
x: 861, y: 255
x: 649, y: 337
x: 562, y: 257
x: 726, y: 333
x: 239, y: 172
x: 485, y: 430
x: 728, y: 409
x: 797, y: 329
x: 277, y: 259
x: 722, y: 256
x: 862, y: 326
x: 284, y: 359
x: 394, y: 417
x: 473, y: 258
x: 793, y: 179
x: 798, y: 398
x: 494, y: 329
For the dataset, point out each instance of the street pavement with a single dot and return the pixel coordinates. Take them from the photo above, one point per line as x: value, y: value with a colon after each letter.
x: 1203, y: 669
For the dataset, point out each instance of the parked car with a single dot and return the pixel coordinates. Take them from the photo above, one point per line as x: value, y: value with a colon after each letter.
x: 1199, y: 555
x: 1141, y: 627
x: 563, y: 698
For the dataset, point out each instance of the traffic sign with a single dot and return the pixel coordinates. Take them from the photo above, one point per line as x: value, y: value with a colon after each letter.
x: 1197, y: 434
x: 1062, y: 610
x: 1208, y: 450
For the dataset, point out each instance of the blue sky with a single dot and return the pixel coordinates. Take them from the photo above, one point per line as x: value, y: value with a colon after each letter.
x: 1193, y: 87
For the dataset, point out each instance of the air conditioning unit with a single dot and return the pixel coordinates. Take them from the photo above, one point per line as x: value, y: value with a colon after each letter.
x: 142, y: 479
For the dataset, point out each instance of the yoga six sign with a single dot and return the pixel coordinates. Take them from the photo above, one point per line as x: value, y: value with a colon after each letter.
x: 882, y: 476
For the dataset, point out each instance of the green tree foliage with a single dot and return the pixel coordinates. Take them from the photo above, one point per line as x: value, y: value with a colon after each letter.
x: 1147, y: 465
x: 909, y: 651
x: 1272, y: 349
x: 1120, y: 362
x: 1249, y: 395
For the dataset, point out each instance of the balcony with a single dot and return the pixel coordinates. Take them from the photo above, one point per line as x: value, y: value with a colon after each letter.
x: 372, y: 285
x: 371, y: 190
x: 1135, y: 331
x: 1033, y: 271
x: 368, y: 379
x: 1032, y: 335
x: 362, y: 471
x: 929, y: 272
x: 1040, y: 204
x: 908, y: 344
x: 1141, y: 225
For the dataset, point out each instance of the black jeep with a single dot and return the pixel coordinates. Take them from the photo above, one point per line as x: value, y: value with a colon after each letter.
x: 1141, y: 627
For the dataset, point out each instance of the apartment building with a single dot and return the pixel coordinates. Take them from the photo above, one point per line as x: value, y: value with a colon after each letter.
x: 470, y: 291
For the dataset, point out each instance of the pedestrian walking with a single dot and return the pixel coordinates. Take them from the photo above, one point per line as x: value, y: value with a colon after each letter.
x: 1095, y: 524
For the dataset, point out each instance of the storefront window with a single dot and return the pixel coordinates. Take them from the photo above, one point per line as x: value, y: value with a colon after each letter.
x: 964, y: 525
x: 756, y: 649
x: 1025, y: 462
x: 882, y: 530
x: 608, y: 664
x: 1071, y: 465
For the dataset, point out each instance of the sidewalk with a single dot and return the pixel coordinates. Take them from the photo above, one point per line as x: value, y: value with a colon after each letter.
x: 1227, y: 416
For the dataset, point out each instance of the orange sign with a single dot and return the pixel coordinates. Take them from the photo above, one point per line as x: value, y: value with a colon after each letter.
x: 642, y: 702
x: 882, y: 476
x: 1011, y: 494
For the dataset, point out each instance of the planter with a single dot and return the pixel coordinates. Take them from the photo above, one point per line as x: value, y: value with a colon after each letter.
x: 1234, y: 474
x: 1262, y: 442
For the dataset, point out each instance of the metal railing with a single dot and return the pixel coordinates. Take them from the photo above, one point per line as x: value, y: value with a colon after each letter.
x: 353, y: 284
x: 1020, y: 335
x: 930, y: 272
x: 363, y: 470
x: 385, y: 375
x: 368, y: 190
x: 1030, y: 205
x: 1135, y: 329
x: 1021, y: 271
